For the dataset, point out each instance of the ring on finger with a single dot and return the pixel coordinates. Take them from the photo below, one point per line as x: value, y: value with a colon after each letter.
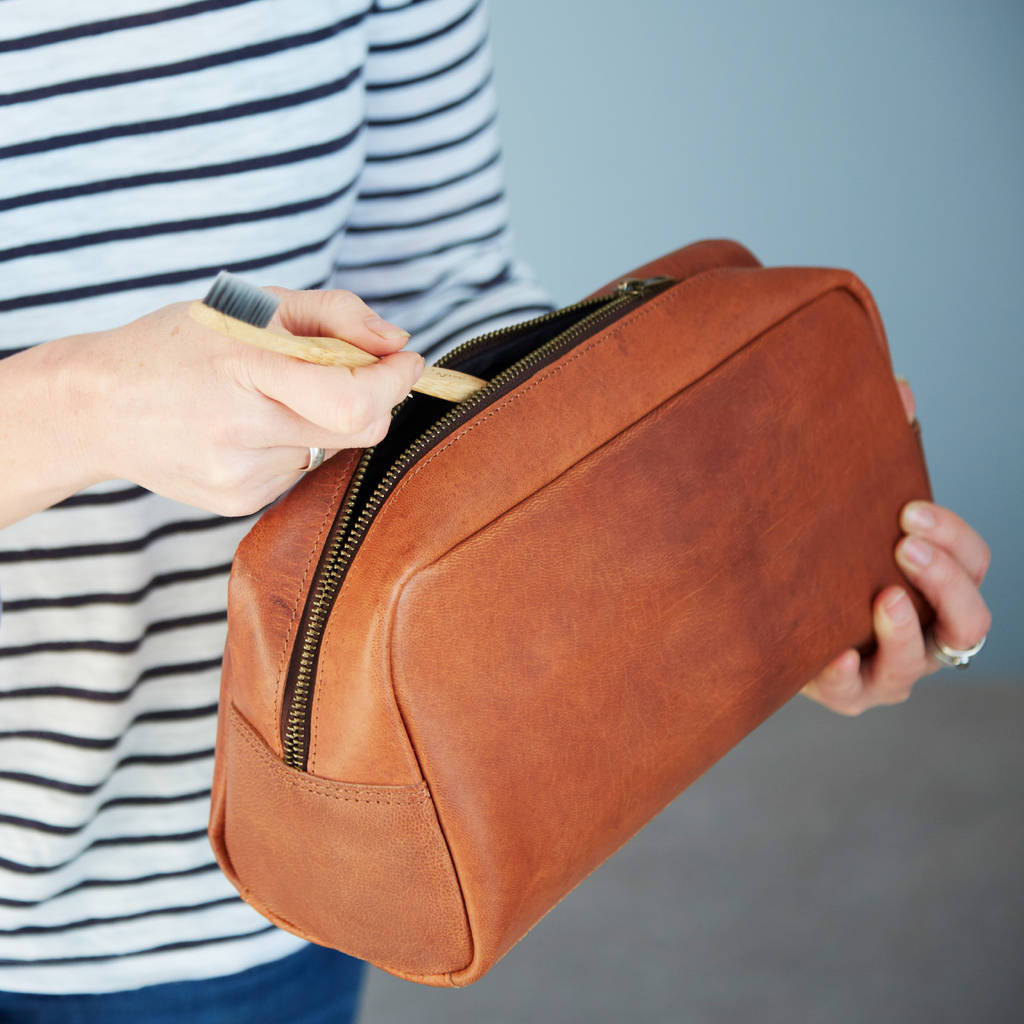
x: 316, y: 459
x: 951, y: 656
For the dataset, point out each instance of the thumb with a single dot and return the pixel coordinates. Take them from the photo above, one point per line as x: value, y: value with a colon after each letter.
x: 339, y: 314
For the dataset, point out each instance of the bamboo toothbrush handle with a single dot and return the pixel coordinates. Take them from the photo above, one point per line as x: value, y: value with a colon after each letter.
x: 436, y: 380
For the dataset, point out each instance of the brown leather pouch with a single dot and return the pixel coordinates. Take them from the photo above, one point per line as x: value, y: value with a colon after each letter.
x: 465, y: 666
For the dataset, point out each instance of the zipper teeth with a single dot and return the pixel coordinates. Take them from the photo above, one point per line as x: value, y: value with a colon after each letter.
x: 293, y: 740
x: 346, y: 536
x: 527, y: 325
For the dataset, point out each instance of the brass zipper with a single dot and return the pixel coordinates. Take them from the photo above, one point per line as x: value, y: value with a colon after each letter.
x: 346, y: 534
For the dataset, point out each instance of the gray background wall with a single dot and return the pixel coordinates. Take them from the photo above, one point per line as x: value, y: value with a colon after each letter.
x: 884, y: 136
x: 829, y: 869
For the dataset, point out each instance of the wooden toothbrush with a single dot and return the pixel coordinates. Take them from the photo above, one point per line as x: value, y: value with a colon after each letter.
x: 240, y: 310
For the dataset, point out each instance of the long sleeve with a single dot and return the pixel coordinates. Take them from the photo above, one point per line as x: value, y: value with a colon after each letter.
x: 428, y: 242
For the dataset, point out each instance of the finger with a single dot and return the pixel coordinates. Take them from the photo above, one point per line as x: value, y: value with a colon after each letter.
x: 337, y: 314
x: 909, y: 403
x: 280, y: 427
x: 961, y: 616
x: 947, y: 530
x: 839, y: 686
x: 343, y: 401
x: 300, y: 457
x: 900, y: 659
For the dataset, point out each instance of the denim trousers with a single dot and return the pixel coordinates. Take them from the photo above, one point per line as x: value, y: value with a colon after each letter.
x: 313, y: 986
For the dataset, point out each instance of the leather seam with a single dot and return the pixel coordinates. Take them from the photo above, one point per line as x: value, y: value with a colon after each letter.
x: 455, y: 884
x: 629, y: 426
x: 421, y: 796
x: 244, y: 731
x: 599, y: 339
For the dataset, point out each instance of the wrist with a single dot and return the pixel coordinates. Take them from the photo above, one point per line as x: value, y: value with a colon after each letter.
x: 81, y: 385
x: 49, y: 453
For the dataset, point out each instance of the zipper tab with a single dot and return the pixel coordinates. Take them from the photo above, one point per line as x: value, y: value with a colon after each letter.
x: 639, y: 285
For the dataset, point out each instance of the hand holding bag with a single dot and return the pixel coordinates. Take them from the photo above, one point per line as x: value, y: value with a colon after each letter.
x: 465, y: 666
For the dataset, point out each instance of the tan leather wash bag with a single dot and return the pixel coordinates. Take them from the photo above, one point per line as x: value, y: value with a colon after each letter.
x: 465, y: 666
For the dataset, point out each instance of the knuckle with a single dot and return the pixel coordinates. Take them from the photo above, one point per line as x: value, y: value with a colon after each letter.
x: 356, y: 414
x: 940, y: 572
x: 233, y: 432
x: 378, y: 430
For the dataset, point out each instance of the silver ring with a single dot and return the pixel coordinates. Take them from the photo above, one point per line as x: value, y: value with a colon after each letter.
x: 316, y: 459
x: 950, y: 655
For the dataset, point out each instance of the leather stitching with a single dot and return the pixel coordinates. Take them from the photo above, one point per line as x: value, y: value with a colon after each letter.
x: 417, y: 795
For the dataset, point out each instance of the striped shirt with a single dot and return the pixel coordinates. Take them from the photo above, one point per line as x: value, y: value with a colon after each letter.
x: 144, y: 145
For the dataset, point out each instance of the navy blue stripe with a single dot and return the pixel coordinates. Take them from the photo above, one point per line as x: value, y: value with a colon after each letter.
x: 167, y: 278
x: 122, y: 801
x: 255, y: 163
x: 113, y: 696
x: 94, y: 883
x: 36, y: 869
x: 356, y: 229
x: 178, y: 714
x: 104, y: 497
x: 437, y: 283
x: 182, y: 67
x: 114, y: 646
x: 91, y: 922
x: 389, y: 122
x: 96, y: 28
x: 411, y: 257
x: 166, y: 948
x: 436, y: 34
x: 173, y: 226
x: 435, y: 148
x: 165, y: 124
x: 131, y: 597
x: 376, y: 86
x: 420, y: 189
x: 87, y: 788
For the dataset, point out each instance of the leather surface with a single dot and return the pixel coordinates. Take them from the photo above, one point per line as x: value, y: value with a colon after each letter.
x: 577, y: 602
x: 363, y: 869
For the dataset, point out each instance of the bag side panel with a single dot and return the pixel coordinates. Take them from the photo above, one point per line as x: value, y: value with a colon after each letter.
x: 359, y: 868
x: 507, y: 452
x: 567, y: 670
x: 269, y: 585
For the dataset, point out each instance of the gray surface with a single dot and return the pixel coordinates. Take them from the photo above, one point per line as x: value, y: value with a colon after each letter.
x: 883, y: 137
x: 828, y: 869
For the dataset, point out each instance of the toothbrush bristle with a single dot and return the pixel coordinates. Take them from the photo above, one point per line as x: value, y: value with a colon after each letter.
x: 234, y: 297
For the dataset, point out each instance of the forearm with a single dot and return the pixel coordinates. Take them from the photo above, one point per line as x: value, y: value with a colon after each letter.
x: 45, y: 405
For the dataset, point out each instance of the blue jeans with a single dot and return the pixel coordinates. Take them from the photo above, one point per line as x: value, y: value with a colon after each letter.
x: 313, y: 986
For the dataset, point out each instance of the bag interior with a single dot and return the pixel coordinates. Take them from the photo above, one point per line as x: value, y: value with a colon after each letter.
x: 420, y: 412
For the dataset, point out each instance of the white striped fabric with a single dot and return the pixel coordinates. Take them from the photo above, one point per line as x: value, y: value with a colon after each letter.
x: 144, y: 145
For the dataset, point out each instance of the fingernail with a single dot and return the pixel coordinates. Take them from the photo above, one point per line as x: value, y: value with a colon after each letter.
x: 898, y: 609
x: 920, y: 515
x: 916, y: 550
x: 899, y: 376
x: 384, y: 329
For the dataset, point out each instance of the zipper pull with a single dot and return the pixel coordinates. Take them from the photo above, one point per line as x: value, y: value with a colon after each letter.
x: 641, y: 285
